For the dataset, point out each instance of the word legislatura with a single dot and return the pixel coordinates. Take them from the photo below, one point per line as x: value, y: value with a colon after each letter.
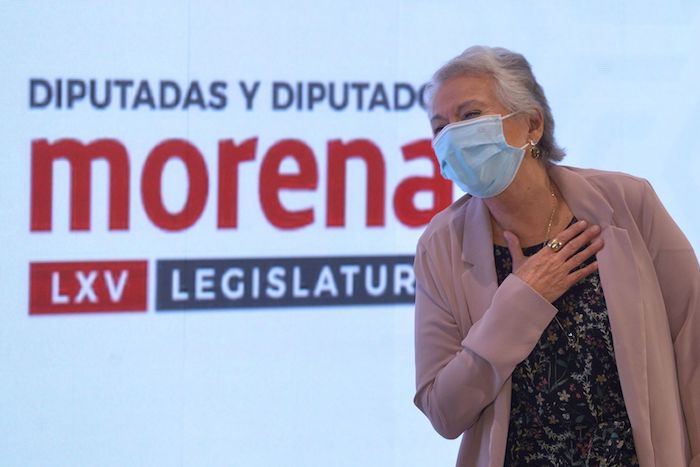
x: 272, y: 181
x: 282, y: 282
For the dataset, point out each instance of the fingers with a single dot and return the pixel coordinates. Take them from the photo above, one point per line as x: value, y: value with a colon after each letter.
x: 581, y: 242
x: 578, y: 258
x: 583, y: 272
x: 572, y: 248
x: 571, y: 232
x: 575, y: 237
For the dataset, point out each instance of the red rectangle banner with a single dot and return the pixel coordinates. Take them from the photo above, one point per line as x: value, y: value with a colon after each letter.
x: 87, y: 287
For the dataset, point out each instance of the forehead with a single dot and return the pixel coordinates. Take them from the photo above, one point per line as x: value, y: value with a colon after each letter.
x: 454, y: 92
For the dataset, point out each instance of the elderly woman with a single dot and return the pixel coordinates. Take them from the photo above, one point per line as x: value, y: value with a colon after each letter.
x: 557, y: 309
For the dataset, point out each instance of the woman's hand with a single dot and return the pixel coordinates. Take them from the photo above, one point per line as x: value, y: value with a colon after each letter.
x: 551, y: 273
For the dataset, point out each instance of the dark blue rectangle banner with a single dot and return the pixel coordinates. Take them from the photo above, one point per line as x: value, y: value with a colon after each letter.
x: 191, y: 284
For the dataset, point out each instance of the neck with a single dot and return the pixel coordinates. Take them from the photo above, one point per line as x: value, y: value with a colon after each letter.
x: 526, y: 208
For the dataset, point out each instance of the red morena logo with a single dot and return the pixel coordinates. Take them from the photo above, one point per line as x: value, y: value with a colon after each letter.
x: 272, y: 181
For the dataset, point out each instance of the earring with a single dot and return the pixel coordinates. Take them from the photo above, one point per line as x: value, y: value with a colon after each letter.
x: 535, y: 152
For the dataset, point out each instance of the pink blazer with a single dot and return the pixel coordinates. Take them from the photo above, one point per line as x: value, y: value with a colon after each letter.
x: 470, y: 333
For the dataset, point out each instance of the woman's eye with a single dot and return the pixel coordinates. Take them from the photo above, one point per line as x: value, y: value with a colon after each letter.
x: 468, y: 115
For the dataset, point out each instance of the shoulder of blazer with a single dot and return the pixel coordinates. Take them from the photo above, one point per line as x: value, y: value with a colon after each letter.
x: 445, y: 220
x: 605, y: 180
x: 617, y: 188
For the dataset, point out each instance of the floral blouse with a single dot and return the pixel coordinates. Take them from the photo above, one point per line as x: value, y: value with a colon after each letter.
x: 567, y: 407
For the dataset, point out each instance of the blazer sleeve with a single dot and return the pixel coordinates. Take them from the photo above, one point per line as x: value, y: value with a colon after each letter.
x: 679, y: 278
x: 458, y: 376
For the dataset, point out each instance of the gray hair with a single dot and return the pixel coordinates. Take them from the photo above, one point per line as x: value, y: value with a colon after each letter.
x: 515, y: 86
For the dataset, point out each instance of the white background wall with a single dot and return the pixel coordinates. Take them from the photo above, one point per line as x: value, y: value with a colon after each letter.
x: 291, y: 386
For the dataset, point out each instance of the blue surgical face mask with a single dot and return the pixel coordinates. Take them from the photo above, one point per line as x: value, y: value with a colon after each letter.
x: 474, y: 154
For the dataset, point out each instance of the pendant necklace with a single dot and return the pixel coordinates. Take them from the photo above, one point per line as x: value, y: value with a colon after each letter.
x: 555, y: 202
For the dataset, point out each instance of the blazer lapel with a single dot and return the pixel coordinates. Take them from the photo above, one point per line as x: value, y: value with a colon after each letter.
x: 621, y: 287
x: 479, y: 276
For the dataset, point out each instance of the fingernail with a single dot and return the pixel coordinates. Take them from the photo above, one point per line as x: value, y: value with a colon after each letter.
x: 582, y: 223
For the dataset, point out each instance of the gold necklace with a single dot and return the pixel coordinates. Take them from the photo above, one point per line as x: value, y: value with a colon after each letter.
x: 555, y: 201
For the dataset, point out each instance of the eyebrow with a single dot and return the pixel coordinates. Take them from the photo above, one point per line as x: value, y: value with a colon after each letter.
x: 467, y: 103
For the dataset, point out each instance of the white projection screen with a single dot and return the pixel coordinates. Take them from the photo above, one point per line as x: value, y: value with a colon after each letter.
x: 209, y: 211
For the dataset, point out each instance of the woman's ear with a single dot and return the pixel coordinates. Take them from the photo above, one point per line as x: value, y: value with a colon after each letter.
x: 536, y: 125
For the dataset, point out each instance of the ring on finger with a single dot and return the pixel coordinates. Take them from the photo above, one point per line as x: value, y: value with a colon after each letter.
x: 554, y: 244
